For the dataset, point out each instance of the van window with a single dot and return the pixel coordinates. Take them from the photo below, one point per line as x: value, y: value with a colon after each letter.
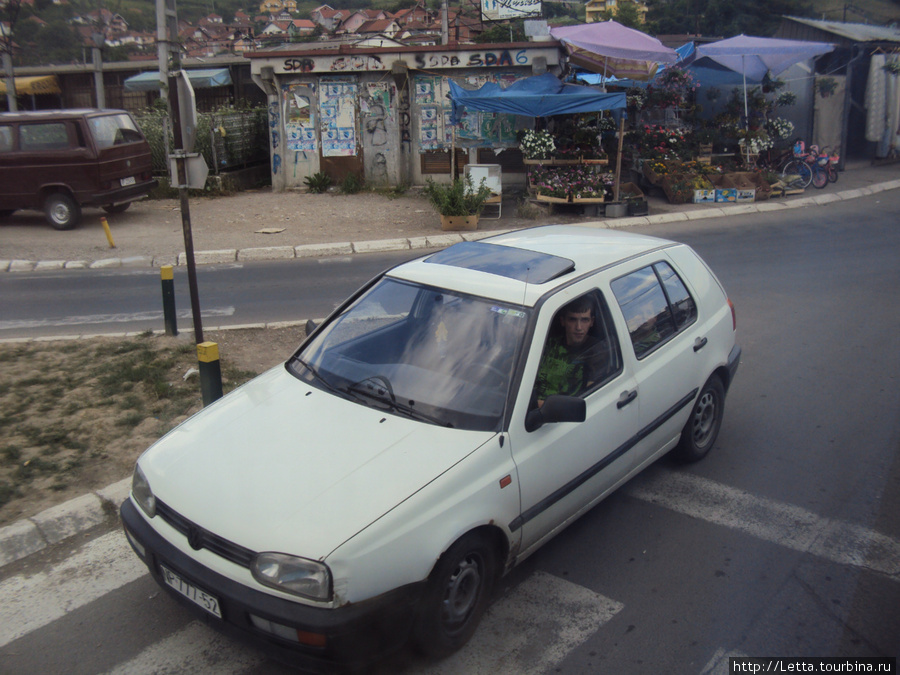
x: 110, y: 130
x: 5, y: 139
x: 39, y: 137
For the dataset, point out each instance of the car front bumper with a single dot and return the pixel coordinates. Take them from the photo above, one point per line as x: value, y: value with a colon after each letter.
x: 351, y: 636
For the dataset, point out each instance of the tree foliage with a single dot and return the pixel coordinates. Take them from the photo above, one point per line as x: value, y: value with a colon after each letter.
x: 724, y: 18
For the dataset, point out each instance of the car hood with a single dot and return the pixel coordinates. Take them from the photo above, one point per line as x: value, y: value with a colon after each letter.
x: 278, y: 465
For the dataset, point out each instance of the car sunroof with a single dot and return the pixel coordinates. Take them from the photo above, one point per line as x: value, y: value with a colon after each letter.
x: 513, y: 263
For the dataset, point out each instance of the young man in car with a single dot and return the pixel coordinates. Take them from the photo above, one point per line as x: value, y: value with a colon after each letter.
x: 573, y: 361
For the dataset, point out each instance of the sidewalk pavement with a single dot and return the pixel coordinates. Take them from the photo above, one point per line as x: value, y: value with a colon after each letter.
x: 58, y: 523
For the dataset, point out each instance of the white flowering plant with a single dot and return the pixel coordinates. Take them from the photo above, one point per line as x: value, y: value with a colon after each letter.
x: 756, y: 141
x: 537, y: 145
x: 781, y: 128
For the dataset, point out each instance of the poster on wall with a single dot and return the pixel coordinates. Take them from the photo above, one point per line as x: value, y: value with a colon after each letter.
x: 494, y: 10
x: 477, y: 129
x: 299, y: 117
x: 337, y: 108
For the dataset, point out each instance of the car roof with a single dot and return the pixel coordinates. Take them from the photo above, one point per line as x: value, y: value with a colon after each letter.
x: 521, y: 266
x: 32, y: 115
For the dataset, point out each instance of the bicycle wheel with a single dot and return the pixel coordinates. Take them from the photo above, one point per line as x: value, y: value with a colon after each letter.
x: 819, y: 177
x: 796, y: 174
x: 832, y: 173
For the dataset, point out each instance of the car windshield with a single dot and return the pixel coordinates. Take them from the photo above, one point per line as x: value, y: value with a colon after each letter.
x: 111, y: 130
x: 423, y: 353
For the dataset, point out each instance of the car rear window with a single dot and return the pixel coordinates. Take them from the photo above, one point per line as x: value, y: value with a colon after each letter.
x: 110, y: 130
x: 656, y: 305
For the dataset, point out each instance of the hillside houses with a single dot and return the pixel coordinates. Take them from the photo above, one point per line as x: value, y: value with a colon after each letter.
x: 276, y: 21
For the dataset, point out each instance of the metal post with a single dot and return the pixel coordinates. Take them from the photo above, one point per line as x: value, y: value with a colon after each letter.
x: 180, y: 163
x: 167, y: 277
x: 210, y: 372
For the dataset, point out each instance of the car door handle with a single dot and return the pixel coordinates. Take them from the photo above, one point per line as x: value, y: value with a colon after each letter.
x: 699, y: 344
x: 626, y: 398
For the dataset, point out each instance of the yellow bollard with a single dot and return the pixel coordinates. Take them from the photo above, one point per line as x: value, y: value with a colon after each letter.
x: 109, y: 238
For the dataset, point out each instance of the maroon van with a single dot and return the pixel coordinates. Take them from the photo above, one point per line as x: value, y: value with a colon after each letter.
x: 57, y: 161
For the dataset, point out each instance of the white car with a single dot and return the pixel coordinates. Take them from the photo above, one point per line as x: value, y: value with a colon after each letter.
x: 446, y: 421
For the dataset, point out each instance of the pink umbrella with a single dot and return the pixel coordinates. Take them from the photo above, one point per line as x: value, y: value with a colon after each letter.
x: 610, y: 48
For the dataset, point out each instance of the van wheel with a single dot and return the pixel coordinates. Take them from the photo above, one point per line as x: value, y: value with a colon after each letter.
x: 458, y: 592
x: 116, y: 208
x: 61, y: 211
x: 6, y: 213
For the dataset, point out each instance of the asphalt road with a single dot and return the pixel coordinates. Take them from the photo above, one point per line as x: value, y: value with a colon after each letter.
x: 785, y: 541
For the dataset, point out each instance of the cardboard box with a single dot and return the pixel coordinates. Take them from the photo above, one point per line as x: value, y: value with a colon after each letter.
x: 704, y: 196
x: 630, y: 191
x: 746, y: 196
x: 726, y: 194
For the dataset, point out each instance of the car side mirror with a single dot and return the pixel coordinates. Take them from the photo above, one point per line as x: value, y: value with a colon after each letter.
x: 556, y: 408
x: 310, y: 327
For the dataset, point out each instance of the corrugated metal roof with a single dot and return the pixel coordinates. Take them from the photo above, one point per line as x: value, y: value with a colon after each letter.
x: 857, y: 32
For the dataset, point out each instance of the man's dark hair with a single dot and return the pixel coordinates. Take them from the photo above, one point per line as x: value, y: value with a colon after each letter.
x: 579, y: 305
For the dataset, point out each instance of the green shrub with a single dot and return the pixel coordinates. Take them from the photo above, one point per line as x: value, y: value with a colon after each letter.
x: 352, y: 184
x: 458, y: 198
x: 318, y: 183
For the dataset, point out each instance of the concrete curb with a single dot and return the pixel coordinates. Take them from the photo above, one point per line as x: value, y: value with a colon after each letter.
x: 78, y: 515
x: 224, y: 256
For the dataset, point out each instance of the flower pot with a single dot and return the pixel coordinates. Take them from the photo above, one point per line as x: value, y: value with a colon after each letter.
x: 616, y: 210
x: 459, y: 222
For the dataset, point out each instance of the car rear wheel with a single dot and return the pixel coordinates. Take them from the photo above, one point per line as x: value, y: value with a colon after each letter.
x: 116, y: 208
x: 61, y: 211
x: 702, y: 428
x: 6, y: 213
x: 457, y: 595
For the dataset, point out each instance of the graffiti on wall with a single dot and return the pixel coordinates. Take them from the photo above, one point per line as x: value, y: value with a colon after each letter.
x: 299, y: 117
x: 376, y: 111
x: 337, y: 107
x: 500, y: 58
x: 403, y: 111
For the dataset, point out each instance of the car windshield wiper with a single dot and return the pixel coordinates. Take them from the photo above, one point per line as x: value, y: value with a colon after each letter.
x: 344, y: 393
x: 378, y: 388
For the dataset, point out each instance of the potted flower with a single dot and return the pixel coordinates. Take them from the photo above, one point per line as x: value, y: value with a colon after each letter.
x: 537, y: 145
x: 459, y: 203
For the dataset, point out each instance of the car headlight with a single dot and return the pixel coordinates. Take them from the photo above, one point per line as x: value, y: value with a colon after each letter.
x: 291, y: 574
x: 140, y: 490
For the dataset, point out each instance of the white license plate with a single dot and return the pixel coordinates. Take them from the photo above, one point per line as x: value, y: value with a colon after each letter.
x: 127, y: 181
x: 208, y: 602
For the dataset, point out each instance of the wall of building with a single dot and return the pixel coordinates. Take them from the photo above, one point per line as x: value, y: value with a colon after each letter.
x: 375, y: 113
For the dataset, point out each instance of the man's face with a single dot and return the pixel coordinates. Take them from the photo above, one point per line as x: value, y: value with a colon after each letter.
x: 577, y: 325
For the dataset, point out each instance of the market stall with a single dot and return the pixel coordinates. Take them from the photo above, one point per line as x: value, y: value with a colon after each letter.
x: 543, y: 96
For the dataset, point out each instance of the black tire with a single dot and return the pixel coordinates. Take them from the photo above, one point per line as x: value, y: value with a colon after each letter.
x: 116, y: 208
x: 796, y: 174
x: 61, y: 211
x: 820, y: 177
x: 702, y: 428
x: 457, y: 595
x: 832, y: 174
x: 6, y: 213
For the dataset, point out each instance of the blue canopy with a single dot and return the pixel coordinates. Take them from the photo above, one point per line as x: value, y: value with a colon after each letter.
x: 202, y: 77
x: 537, y: 96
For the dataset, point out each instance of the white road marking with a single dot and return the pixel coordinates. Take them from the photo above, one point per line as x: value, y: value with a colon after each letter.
x: 780, y: 523
x: 108, y: 318
x: 196, y: 649
x: 32, y: 602
x: 719, y: 664
x: 531, y: 630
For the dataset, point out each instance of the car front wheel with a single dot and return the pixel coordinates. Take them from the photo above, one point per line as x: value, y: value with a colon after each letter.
x: 702, y: 428
x: 457, y: 595
x: 61, y: 211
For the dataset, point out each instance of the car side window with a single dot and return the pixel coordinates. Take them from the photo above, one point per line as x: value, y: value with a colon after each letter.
x: 37, y: 137
x: 581, y: 351
x: 656, y: 305
x: 6, y: 138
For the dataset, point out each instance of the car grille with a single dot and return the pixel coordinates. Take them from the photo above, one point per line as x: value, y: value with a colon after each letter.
x: 199, y: 538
